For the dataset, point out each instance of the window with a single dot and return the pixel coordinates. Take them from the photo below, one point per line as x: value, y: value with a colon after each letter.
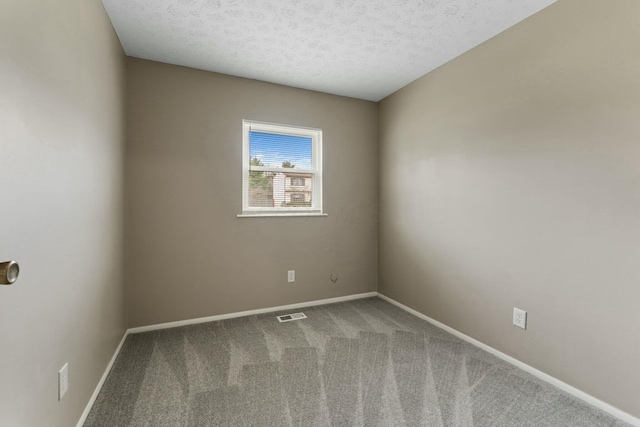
x: 298, y: 198
x: 282, y: 170
x: 297, y: 181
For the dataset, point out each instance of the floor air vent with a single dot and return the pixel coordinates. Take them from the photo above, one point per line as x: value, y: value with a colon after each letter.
x: 290, y: 317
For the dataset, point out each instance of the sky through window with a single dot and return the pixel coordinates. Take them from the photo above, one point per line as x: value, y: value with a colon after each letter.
x: 274, y: 149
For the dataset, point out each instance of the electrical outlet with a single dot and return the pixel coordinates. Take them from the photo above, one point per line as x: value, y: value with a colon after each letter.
x: 520, y: 318
x: 63, y: 381
x: 291, y: 276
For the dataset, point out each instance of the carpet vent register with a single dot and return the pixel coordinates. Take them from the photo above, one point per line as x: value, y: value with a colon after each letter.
x: 290, y: 317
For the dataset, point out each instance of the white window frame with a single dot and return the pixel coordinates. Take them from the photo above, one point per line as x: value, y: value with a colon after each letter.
x: 316, y: 169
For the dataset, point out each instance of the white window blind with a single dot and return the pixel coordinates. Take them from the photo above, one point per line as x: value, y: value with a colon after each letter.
x: 282, y: 169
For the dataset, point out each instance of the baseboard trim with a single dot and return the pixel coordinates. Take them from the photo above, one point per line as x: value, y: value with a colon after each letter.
x: 628, y: 418
x: 94, y: 396
x: 248, y: 313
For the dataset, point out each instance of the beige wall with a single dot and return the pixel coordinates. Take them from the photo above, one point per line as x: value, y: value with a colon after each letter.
x: 188, y: 255
x: 61, y: 211
x: 511, y: 177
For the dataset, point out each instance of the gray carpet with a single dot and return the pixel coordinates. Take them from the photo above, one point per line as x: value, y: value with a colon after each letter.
x: 359, y: 363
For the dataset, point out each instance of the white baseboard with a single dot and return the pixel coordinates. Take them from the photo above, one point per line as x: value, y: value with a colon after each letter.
x: 248, y: 313
x: 94, y: 396
x: 530, y: 369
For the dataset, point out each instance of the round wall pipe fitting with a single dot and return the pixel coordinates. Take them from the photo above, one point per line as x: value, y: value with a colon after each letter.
x: 9, y: 272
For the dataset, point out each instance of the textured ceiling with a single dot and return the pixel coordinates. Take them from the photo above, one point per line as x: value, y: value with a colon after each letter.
x: 365, y: 49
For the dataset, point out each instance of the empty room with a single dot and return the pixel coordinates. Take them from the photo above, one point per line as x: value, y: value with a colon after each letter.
x: 319, y: 213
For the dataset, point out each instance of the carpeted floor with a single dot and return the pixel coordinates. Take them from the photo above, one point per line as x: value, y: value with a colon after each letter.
x: 358, y: 363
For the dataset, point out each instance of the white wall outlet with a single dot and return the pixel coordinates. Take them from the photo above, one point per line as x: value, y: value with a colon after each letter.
x: 63, y: 381
x: 291, y: 276
x: 520, y: 318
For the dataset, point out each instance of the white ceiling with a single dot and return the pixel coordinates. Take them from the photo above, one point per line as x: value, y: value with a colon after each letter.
x: 365, y: 49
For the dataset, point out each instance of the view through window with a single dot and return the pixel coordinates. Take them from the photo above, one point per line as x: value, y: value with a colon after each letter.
x: 282, y: 168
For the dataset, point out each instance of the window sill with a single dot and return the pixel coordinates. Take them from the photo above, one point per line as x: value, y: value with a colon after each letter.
x: 273, y: 214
